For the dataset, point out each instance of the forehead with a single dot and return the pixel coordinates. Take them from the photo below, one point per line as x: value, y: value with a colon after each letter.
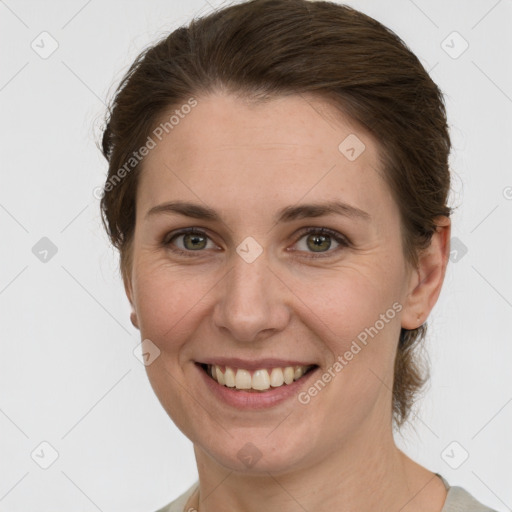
x: 231, y: 153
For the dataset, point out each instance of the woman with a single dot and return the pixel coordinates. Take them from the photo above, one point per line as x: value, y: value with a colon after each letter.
x: 277, y: 189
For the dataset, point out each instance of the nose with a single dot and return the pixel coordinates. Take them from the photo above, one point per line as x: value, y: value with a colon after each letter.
x: 252, y: 301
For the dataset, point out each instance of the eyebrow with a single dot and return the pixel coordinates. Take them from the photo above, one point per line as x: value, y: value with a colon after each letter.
x: 288, y: 214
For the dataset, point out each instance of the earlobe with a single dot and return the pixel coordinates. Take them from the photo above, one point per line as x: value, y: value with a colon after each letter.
x: 427, y: 279
x: 129, y: 294
x: 133, y: 319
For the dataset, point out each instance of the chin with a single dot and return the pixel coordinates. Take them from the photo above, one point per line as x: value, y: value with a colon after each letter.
x: 256, y: 452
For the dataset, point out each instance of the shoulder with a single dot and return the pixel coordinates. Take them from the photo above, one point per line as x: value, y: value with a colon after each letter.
x: 179, y: 503
x: 457, y: 500
x: 460, y: 500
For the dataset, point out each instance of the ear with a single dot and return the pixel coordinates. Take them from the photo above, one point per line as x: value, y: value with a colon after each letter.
x: 129, y: 293
x: 427, y: 279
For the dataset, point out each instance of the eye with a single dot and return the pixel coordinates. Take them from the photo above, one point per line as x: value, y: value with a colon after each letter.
x: 319, y: 240
x: 192, y: 240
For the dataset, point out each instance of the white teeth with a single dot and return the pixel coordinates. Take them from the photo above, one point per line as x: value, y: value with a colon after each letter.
x: 276, y: 377
x: 243, y: 379
x: 229, y: 377
x: 288, y: 374
x: 260, y: 380
x: 219, y: 375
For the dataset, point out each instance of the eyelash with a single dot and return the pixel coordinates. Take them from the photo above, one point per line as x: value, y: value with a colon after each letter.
x: 340, y: 239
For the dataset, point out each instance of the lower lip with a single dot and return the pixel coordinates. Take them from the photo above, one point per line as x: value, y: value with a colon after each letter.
x: 255, y: 400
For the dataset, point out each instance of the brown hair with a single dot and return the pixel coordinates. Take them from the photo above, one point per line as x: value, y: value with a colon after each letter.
x: 262, y: 49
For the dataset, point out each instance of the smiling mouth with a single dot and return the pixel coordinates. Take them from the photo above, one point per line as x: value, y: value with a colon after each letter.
x: 257, y: 381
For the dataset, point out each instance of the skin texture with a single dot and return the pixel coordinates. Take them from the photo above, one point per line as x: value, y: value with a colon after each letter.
x: 247, y: 161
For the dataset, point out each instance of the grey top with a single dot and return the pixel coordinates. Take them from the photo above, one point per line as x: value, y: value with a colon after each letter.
x: 457, y: 500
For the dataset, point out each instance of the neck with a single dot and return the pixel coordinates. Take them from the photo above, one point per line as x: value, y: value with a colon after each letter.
x: 366, y: 473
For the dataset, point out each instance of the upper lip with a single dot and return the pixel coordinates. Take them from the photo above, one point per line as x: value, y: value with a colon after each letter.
x: 253, y: 364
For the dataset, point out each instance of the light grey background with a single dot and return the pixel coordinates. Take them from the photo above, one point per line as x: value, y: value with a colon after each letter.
x: 68, y: 374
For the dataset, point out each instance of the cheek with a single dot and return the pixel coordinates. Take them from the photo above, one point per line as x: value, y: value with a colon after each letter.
x: 167, y: 301
x: 357, y: 318
x: 345, y: 302
x: 337, y: 304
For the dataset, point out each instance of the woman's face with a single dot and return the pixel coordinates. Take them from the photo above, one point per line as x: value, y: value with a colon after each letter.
x: 253, y: 289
